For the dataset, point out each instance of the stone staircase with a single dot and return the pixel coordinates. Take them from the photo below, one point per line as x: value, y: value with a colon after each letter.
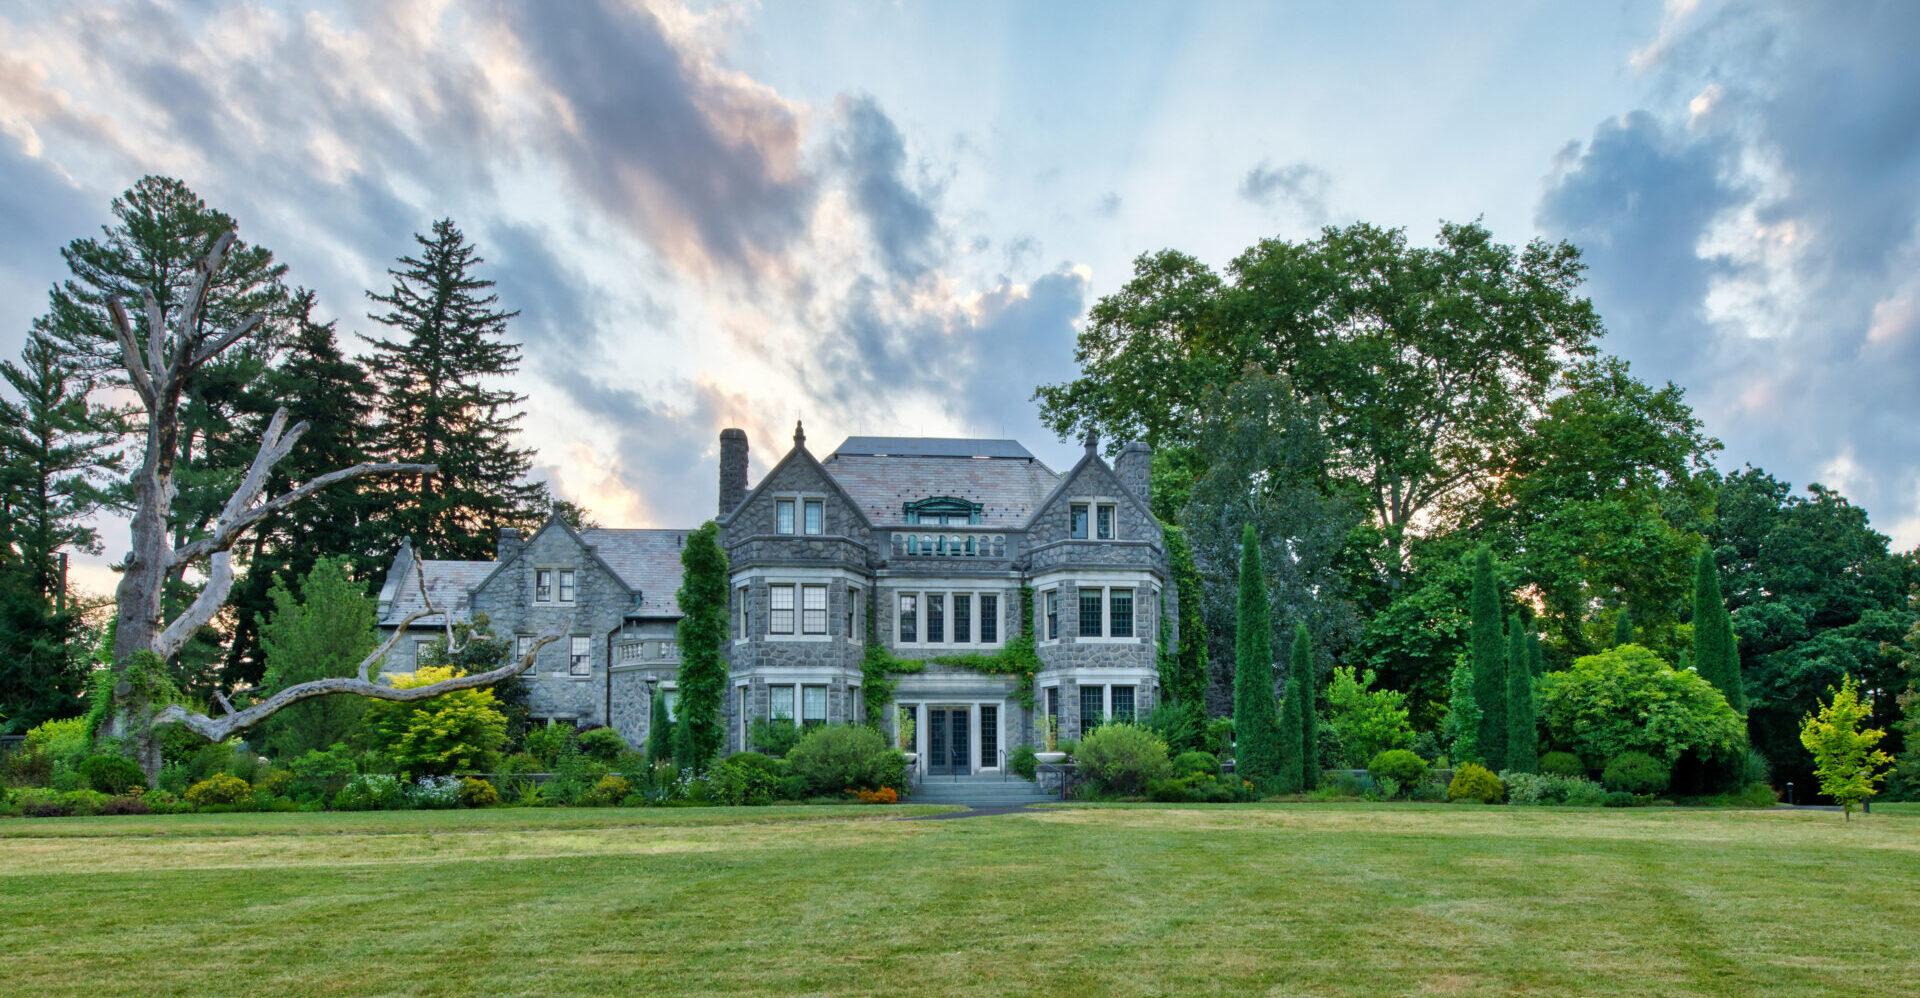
x: 979, y: 790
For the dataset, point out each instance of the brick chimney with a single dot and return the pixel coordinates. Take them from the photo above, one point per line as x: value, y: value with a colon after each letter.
x: 1134, y: 466
x: 733, y: 469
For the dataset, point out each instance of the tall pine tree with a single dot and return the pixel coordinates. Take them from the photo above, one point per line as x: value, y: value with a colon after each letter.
x: 330, y: 392
x: 1488, y: 647
x: 56, y: 458
x: 702, y: 632
x: 1304, y: 678
x: 442, y: 403
x: 326, y: 631
x: 1258, y: 752
x: 1292, y: 777
x: 1714, y: 655
x: 1523, y: 737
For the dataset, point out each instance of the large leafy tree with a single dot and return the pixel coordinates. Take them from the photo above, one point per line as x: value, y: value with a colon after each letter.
x: 442, y: 402
x: 1186, y: 679
x: 1600, y: 503
x: 1265, y: 470
x: 1426, y: 361
x: 1627, y: 699
x: 328, y: 390
x: 702, y: 633
x: 1259, y: 755
x: 1815, y: 595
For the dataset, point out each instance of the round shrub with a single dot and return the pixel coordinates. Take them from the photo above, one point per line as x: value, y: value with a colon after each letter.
x: 1474, y: 782
x: 747, y: 779
x: 1620, y: 798
x: 1562, y: 764
x: 1196, y: 764
x: 604, y: 744
x: 1583, y: 792
x: 1121, y: 759
x: 1023, y: 761
x: 1636, y: 773
x: 371, y: 792
x: 220, y: 788
x: 476, y: 792
x: 608, y: 791
x: 112, y: 774
x: 1402, y: 766
x: 547, y: 741
x: 835, y: 758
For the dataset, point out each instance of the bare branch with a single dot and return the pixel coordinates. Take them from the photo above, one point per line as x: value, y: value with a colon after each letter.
x: 201, y: 612
x: 130, y: 352
x: 219, y: 729
x: 226, y: 339
x: 157, y: 340
x: 188, y: 344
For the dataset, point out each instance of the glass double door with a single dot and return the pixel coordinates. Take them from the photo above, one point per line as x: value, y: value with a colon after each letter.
x: 949, y: 748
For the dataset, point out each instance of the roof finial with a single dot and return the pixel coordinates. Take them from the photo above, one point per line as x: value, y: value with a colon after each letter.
x: 1093, y: 440
x: 799, y: 434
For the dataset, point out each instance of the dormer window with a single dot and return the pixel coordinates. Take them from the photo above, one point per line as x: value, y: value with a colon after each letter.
x: 1077, y: 521
x: 1103, y: 522
x: 1092, y: 521
x: 943, y: 511
x: 783, y: 516
x: 815, y: 519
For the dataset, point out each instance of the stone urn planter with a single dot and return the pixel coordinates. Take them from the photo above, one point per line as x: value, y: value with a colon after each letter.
x: 912, y: 758
x: 1050, y: 758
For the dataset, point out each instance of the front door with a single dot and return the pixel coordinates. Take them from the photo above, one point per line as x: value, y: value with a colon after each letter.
x: 948, y: 750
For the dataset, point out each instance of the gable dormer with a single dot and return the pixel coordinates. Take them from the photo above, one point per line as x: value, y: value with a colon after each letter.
x: 797, y: 512
x: 1095, y: 516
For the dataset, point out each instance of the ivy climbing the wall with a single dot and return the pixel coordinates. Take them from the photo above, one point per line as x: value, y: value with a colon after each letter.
x: 880, y: 667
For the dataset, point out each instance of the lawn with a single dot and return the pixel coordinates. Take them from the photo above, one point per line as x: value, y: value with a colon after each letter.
x: 1079, y: 900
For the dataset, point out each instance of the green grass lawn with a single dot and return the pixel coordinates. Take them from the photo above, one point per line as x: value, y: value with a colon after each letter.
x: 1323, y: 899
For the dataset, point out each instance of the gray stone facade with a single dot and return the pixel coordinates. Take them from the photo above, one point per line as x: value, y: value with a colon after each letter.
x: 912, y: 538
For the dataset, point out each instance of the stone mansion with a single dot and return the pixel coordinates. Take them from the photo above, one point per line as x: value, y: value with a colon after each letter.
x: 935, y: 538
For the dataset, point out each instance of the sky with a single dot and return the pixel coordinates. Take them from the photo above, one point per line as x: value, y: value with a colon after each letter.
x: 891, y: 218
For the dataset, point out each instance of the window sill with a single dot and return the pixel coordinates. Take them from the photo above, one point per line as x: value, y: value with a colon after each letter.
x: 798, y: 638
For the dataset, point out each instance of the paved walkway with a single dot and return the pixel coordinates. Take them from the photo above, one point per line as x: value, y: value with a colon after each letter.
x: 971, y: 812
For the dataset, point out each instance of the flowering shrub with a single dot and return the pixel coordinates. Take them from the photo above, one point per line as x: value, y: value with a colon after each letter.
x: 884, y: 795
x: 1475, y: 782
x: 219, y: 788
x: 435, y: 793
x: 371, y: 792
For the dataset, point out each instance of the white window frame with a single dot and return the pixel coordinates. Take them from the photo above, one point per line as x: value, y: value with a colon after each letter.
x: 807, y: 525
x: 856, y: 615
x: 580, y: 655
x: 791, y: 506
x: 543, y: 585
x: 803, y: 690
x: 774, y: 609
x: 808, y: 591
x: 1112, y: 510
x: 949, y: 598
x: 672, y: 692
x: 522, y: 644
x: 743, y: 619
x: 568, y: 590
x: 773, y: 703
x: 1073, y: 510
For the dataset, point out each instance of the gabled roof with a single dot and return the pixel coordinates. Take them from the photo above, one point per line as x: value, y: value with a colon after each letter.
x: 646, y: 560
x: 931, y: 447
x: 450, y: 585
x: 798, y: 452
x: 882, y: 474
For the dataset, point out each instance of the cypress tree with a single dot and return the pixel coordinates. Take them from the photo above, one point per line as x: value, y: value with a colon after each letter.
x: 1292, y: 778
x: 1309, y: 723
x: 1489, y: 651
x: 439, y: 405
x: 702, y: 631
x: 1463, y: 716
x: 1623, y: 627
x: 1537, y: 655
x: 659, y: 729
x: 1523, y: 737
x: 1714, y: 655
x: 1258, y: 752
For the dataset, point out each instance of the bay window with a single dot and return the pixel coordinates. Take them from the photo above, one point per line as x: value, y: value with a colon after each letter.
x: 780, y: 703
x: 813, y: 609
x: 780, y: 609
x: 813, y: 705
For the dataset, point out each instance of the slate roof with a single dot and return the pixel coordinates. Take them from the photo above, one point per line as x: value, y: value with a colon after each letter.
x: 645, y: 559
x: 882, y: 474
x: 449, y: 584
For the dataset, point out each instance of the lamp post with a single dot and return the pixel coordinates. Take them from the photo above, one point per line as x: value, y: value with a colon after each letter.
x: 1789, y: 791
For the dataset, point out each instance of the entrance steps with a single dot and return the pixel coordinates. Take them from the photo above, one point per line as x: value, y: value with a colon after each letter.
x: 977, y: 790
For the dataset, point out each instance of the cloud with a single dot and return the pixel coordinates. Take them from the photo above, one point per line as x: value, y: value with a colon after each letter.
x: 1300, y: 187
x: 1757, y: 236
x: 871, y: 155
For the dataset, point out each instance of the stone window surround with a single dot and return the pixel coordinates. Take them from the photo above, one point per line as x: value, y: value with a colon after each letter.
x: 565, y: 578
x: 579, y: 656
x: 1068, y: 587
x: 921, y: 701
x: 746, y: 581
x: 947, y: 588
x: 1094, y: 505
x: 800, y: 501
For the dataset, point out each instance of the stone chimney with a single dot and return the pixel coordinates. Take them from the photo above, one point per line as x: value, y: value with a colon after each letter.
x: 733, y: 469
x: 508, y: 544
x: 1134, y: 466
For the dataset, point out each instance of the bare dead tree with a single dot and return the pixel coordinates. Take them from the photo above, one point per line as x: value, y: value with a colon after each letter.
x: 160, y: 371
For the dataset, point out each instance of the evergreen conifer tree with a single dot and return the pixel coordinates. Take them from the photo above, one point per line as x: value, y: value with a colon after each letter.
x: 1463, y: 716
x: 1623, y: 627
x: 441, y: 404
x: 1258, y: 752
x: 1303, y: 676
x: 660, y: 731
x: 326, y: 631
x: 1714, y: 654
x: 329, y: 391
x: 702, y: 631
x: 1292, y: 778
x: 1523, y: 737
x: 1488, y: 647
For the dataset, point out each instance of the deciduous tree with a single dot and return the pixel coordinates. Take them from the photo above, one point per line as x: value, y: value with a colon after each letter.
x: 1845, y: 758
